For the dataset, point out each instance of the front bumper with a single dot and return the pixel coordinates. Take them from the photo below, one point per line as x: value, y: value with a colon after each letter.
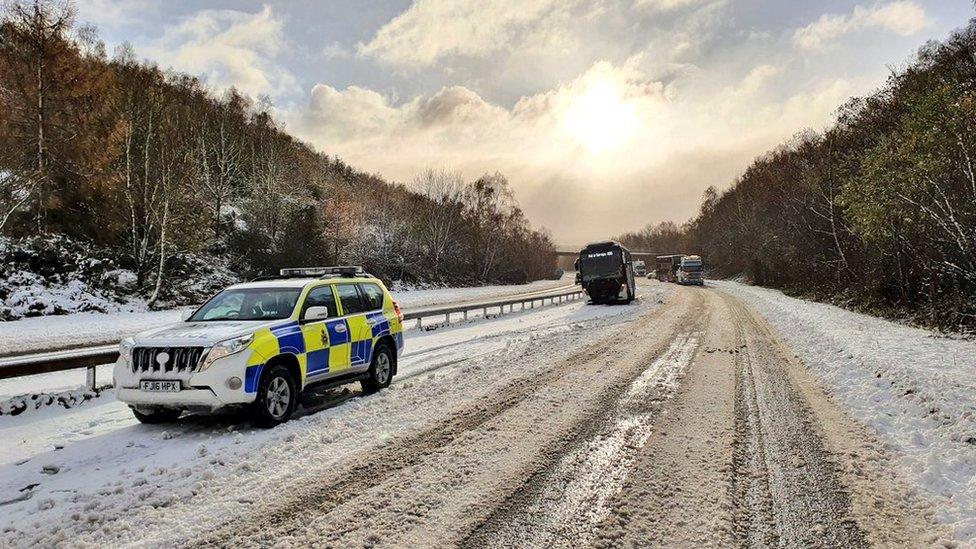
x: 192, y: 398
x: 201, y: 390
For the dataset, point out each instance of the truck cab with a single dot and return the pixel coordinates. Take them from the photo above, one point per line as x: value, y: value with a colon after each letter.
x: 691, y: 270
x: 667, y: 267
x: 606, y: 272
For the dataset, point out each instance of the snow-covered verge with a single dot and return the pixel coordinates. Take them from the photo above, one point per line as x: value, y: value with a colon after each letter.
x: 413, y: 297
x: 47, y: 333
x: 17, y: 405
x: 55, y: 275
x: 915, y: 388
x: 93, y: 476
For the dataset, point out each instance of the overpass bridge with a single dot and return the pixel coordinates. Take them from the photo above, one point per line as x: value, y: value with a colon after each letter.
x: 635, y: 254
x: 565, y: 257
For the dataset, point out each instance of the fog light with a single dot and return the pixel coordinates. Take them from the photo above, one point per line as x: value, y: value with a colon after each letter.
x: 234, y: 383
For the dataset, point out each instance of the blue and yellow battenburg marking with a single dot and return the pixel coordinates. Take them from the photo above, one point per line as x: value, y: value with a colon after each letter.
x: 321, y: 348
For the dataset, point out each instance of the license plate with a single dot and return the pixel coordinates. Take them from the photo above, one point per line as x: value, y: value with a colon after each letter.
x: 160, y: 386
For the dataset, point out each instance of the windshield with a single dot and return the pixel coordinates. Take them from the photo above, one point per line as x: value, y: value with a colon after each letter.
x: 249, y: 304
x: 600, y: 264
x: 691, y: 266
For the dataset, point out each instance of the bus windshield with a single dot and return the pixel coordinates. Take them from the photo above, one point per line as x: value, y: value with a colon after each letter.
x: 691, y: 266
x: 600, y: 264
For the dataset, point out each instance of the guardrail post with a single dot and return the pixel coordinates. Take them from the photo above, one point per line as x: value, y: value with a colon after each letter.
x: 90, y: 381
x: 465, y: 314
x: 420, y: 322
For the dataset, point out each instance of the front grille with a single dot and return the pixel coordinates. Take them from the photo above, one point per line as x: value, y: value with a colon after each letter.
x: 180, y: 359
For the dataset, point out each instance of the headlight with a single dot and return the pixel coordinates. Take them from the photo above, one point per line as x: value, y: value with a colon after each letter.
x: 125, y: 349
x: 226, y: 348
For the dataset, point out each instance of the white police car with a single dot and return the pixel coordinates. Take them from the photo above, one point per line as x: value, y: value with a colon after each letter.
x: 259, y: 344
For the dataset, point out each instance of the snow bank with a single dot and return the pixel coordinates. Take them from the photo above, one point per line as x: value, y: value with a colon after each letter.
x: 56, y: 275
x: 14, y: 406
x: 412, y: 296
x: 77, y: 330
x: 915, y: 388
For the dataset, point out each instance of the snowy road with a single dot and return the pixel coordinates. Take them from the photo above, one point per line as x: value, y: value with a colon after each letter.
x: 682, y: 420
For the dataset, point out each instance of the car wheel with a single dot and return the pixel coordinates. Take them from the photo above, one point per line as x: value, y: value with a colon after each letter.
x: 158, y: 415
x: 277, y: 398
x: 380, y: 372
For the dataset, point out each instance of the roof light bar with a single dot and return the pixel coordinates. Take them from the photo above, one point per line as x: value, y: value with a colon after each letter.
x: 344, y: 270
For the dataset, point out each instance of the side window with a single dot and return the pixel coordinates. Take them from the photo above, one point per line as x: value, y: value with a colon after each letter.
x: 373, y: 296
x: 321, y: 297
x: 349, y: 297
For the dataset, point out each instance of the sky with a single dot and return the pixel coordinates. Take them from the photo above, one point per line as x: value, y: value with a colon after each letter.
x: 604, y: 115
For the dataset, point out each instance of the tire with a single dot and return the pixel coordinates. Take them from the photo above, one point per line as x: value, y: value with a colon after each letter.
x: 157, y: 416
x: 277, y: 398
x: 630, y: 295
x: 380, y: 373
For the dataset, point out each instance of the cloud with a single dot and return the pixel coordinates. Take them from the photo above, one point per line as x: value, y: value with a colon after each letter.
x: 335, y: 50
x: 903, y: 17
x: 433, y: 29
x: 615, y: 132
x: 229, y: 48
x: 114, y: 13
x: 611, y: 142
x: 667, y: 5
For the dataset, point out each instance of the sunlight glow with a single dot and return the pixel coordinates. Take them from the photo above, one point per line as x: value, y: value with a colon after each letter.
x: 601, y: 118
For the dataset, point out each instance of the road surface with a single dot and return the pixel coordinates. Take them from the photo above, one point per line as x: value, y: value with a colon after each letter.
x: 681, y: 420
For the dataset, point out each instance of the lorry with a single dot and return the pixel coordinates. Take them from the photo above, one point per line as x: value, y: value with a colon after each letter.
x: 691, y: 270
x: 639, y: 268
x: 606, y: 272
x: 666, y: 267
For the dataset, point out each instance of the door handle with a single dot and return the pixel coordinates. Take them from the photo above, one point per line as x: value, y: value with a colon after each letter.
x: 340, y: 328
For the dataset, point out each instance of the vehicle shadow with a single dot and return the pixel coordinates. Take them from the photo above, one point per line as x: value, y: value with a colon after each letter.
x: 312, y: 402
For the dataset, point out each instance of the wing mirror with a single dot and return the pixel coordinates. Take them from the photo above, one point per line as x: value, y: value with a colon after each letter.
x: 185, y: 314
x: 316, y: 313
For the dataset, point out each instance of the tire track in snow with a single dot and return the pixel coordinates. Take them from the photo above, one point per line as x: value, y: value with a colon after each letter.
x: 786, y: 489
x: 561, y: 506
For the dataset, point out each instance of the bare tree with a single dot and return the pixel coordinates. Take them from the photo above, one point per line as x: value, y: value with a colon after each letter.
x: 219, y: 158
x: 42, y: 26
x: 15, y: 191
x: 440, y: 214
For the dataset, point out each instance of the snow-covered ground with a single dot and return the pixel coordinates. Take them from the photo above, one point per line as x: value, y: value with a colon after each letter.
x: 94, y: 476
x: 916, y: 389
x: 81, y: 329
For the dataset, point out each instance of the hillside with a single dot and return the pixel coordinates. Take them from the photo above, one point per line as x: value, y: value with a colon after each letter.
x: 877, y: 213
x: 148, y: 175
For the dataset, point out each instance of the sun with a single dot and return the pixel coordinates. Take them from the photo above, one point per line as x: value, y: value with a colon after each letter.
x: 601, y: 118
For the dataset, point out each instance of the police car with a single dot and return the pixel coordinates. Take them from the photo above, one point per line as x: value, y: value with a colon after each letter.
x: 261, y: 343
